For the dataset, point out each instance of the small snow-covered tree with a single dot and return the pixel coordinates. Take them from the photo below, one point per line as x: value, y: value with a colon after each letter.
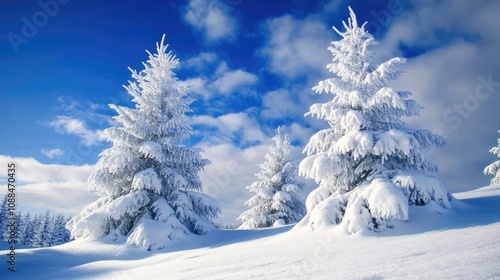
x: 31, y: 230
x: 23, y: 227
x: 494, y: 168
x: 148, y: 182
x: 42, y: 234
x: 276, y: 192
x: 20, y: 225
x: 369, y: 164
x: 59, y: 232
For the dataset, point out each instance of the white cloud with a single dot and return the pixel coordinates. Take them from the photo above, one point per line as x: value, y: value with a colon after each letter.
x: 282, y: 103
x: 230, y: 127
x: 197, y: 86
x: 297, y: 47
x: 224, y: 82
x: 53, y: 153
x: 212, y: 18
x: 297, y: 132
x: 221, y: 69
x: 69, y: 125
x: 231, y: 81
x: 200, y: 61
x: 87, y: 110
x: 60, y: 188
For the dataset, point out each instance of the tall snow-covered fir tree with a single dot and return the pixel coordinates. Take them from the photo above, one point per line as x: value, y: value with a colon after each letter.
x: 370, y: 166
x: 276, y: 192
x: 494, y: 168
x: 148, y: 182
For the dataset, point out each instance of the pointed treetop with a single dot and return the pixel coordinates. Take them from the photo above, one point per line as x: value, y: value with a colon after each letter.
x: 352, y: 25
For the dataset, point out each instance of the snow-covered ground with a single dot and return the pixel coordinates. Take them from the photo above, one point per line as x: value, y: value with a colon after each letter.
x: 463, y: 243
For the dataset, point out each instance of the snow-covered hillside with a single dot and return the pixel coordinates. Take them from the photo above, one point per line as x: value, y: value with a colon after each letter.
x: 463, y: 243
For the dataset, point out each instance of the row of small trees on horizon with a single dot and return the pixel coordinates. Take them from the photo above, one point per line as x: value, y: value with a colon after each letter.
x: 38, y: 230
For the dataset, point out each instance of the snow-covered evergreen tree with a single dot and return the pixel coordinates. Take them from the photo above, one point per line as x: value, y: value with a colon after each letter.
x: 67, y: 237
x: 19, y: 227
x: 148, y: 183
x: 59, y: 232
x: 23, y: 227
x: 494, y: 168
x: 43, y: 233
x: 276, y: 192
x: 31, y: 230
x: 369, y: 164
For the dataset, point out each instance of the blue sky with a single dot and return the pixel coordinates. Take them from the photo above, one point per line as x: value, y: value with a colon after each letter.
x: 250, y: 65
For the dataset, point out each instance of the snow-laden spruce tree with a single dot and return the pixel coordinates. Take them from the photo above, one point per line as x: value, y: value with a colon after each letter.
x: 22, y: 228
x: 148, y: 183
x: 43, y: 234
x: 31, y: 230
x: 494, y: 168
x: 60, y: 234
x: 369, y: 165
x: 276, y: 197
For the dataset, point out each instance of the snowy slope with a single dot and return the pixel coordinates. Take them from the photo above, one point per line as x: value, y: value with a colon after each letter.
x: 460, y: 244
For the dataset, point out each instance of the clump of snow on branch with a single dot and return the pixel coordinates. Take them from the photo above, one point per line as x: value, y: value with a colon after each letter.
x: 148, y: 182
x: 370, y: 166
x: 276, y: 201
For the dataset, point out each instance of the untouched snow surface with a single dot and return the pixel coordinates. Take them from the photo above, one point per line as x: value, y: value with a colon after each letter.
x: 463, y: 243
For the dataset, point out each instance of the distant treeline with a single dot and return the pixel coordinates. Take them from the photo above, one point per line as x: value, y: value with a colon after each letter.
x: 39, y: 230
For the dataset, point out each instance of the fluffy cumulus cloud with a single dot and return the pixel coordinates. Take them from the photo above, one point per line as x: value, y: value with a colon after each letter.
x: 88, y: 110
x: 298, y: 134
x: 201, y: 61
x: 457, y: 80
x: 70, y: 125
x: 230, y: 81
x: 296, y: 47
x: 212, y: 18
x: 290, y: 103
x: 224, y: 82
x: 234, y: 127
x: 53, y: 153
x: 279, y: 104
x: 60, y: 188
